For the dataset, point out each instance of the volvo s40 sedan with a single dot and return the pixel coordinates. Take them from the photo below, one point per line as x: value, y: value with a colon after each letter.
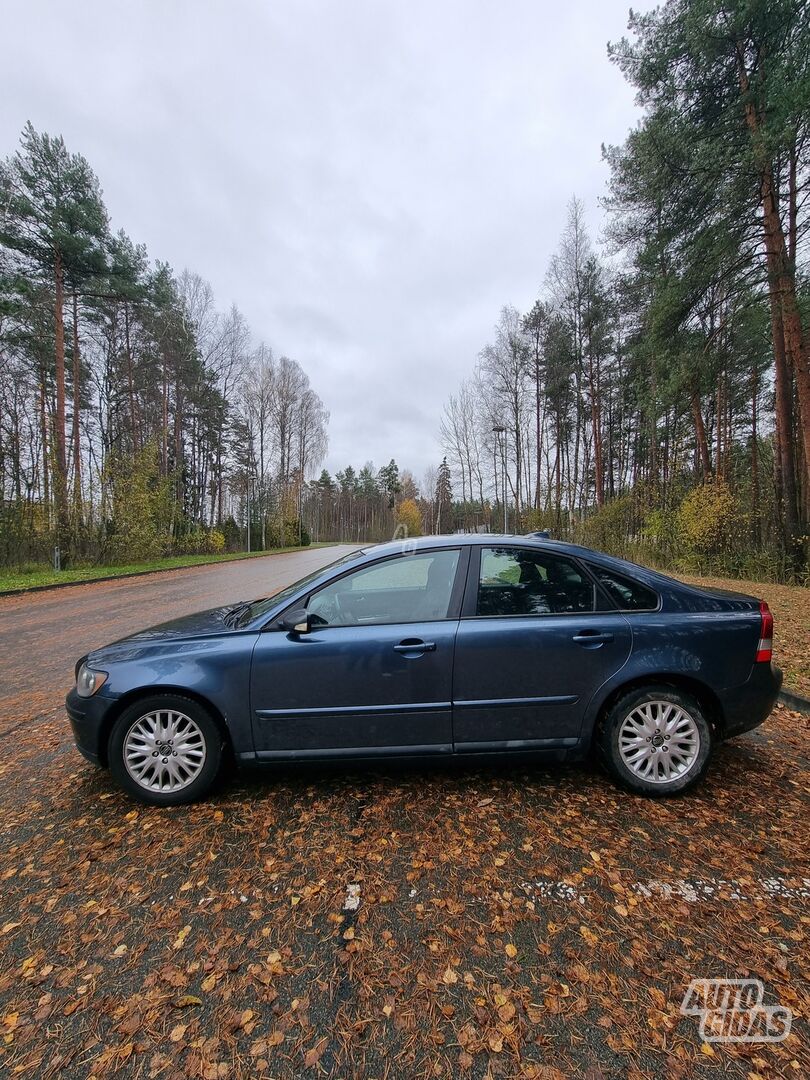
x: 459, y: 645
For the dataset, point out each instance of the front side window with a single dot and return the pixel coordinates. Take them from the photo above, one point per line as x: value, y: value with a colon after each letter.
x: 406, y: 588
x: 517, y: 581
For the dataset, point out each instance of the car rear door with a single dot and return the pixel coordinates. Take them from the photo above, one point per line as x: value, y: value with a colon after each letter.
x: 374, y: 675
x: 531, y: 650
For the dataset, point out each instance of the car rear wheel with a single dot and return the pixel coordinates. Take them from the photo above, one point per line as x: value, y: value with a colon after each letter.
x: 165, y: 750
x: 656, y: 740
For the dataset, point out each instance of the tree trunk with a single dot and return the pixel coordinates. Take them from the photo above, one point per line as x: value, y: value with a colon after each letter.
x: 780, y: 269
x: 77, y: 406
x: 700, y: 436
x: 756, y: 518
x: 133, y: 417
x: 43, y: 424
x: 60, y: 470
x: 783, y: 411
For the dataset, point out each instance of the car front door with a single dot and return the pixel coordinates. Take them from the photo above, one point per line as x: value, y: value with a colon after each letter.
x: 531, y: 650
x: 373, y: 676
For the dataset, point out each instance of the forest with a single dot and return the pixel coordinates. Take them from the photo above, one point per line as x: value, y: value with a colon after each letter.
x: 654, y: 401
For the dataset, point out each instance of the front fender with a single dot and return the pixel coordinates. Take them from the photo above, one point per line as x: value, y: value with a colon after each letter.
x: 215, y: 669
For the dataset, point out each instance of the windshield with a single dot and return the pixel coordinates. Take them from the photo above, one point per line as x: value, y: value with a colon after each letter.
x: 260, y: 607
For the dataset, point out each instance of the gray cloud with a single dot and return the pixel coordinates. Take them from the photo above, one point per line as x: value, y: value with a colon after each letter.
x: 369, y: 181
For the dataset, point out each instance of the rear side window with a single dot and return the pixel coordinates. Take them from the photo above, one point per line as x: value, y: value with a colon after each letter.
x: 519, y: 581
x: 627, y: 594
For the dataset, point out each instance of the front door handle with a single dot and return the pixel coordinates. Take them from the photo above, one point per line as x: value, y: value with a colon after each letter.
x: 415, y: 645
x: 591, y: 638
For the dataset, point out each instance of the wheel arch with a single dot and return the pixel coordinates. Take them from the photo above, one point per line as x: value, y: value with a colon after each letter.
x: 132, y: 696
x: 705, y: 696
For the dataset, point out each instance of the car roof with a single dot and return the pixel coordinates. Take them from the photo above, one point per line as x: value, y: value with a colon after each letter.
x: 416, y: 543
x: 420, y: 543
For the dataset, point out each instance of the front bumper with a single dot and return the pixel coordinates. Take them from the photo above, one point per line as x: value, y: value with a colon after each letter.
x: 87, y: 718
x: 746, y: 707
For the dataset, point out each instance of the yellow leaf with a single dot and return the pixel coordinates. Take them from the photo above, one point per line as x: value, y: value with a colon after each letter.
x: 511, y: 950
x: 119, y: 950
x: 9, y: 926
x: 495, y: 1042
x: 181, y: 937
x: 706, y: 1049
x: 177, y: 1032
x: 449, y: 977
x: 588, y: 934
x: 209, y: 982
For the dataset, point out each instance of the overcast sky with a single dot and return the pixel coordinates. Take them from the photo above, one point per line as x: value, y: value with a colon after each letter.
x: 368, y: 181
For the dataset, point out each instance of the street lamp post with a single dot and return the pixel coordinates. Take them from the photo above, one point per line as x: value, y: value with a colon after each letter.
x: 501, y: 431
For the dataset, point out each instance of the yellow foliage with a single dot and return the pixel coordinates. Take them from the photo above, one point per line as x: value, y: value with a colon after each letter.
x: 707, y: 519
x: 409, y: 517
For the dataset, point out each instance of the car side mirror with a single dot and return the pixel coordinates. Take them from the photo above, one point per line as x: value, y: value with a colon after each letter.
x: 297, y: 621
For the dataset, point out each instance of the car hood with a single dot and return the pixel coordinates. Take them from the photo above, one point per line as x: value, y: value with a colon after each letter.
x: 200, y: 624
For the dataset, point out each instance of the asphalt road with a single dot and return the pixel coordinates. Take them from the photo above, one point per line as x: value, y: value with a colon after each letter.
x: 412, y: 922
x: 42, y: 634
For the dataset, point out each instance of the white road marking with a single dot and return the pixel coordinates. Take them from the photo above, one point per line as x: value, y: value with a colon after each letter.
x: 692, y: 891
x: 352, y: 901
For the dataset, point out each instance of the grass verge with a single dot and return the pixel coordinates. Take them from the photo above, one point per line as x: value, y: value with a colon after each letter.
x: 42, y: 577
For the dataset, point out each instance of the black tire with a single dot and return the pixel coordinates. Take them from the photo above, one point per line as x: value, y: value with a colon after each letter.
x: 201, y: 783
x: 608, y: 741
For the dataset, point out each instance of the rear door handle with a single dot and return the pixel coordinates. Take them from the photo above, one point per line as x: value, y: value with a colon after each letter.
x: 415, y: 645
x: 592, y: 637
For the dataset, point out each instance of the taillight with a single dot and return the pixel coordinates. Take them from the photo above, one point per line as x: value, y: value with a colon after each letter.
x: 765, y: 644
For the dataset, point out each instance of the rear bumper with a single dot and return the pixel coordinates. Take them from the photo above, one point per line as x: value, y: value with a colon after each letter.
x: 746, y: 707
x: 87, y: 717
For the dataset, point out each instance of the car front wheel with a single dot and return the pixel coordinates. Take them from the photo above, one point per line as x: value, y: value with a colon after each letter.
x: 165, y: 750
x: 656, y: 741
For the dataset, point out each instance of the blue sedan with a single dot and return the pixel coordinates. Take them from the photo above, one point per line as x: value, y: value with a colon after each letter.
x: 469, y: 646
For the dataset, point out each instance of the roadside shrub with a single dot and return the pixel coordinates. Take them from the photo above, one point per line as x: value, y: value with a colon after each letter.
x: 140, y: 504
x: 612, y: 527
x: 535, y: 520
x: 708, y: 520
x: 285, y: 533
x: 233, y: 536
x: 200, y: 541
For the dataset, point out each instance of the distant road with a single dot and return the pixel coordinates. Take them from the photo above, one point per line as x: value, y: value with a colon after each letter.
x: 42, y: 634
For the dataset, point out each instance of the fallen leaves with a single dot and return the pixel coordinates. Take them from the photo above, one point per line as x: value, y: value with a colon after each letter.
x: 183, y: 953
x: 180, y: 940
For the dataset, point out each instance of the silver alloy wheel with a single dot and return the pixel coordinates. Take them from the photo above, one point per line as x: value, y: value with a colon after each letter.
x: 164, y: 750
x: 659, y: 741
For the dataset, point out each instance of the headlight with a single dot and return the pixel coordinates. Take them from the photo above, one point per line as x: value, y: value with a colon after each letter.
x: 89, y: 681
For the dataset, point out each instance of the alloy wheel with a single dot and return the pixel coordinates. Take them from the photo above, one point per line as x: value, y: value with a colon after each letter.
x: 659, y: 741
x: 164, y: 751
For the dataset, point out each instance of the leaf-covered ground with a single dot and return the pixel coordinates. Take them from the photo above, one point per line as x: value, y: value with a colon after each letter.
x: 524, y: 923
x: 790, y: 605
x: 412, y: 923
